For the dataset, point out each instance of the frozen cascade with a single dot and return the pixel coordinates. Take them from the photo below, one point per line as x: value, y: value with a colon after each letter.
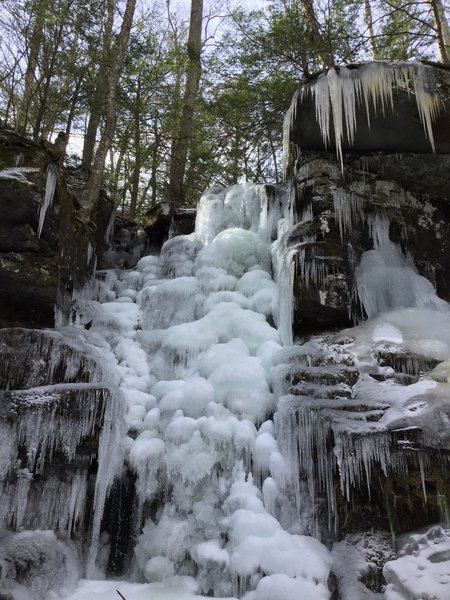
x: 192, y: 336
x: 222, y: 413
x: 68, y: 415
x: 385, y: 279
x: 284, y: 260
x: 51, y: 416
x: 348, y: 210
x: 338, y: 92
x: 50, y: 187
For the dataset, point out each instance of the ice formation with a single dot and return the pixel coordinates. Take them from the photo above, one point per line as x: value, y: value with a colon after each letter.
x: 50, y: 187
x: 51, y: 422
x: 339, y: 92
x: 386, y: 280
x: 235, y: 436
x: 192, y: 333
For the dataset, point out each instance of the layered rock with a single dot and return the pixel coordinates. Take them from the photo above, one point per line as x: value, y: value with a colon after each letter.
x: 365, y: 426
x: 47, y: 252
x: 60, y: 415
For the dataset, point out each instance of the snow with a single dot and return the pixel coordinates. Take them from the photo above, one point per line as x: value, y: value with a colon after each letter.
x: 424, y: 569
x: 179, y: 588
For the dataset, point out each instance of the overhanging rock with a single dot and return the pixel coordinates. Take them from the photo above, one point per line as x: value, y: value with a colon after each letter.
x: 370, y: 108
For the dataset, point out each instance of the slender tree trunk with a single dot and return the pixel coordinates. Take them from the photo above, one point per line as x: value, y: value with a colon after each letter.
x: 235, y: 163
x: 368, y: 16
x: 193, y: 74
x: 155, y: 163
x: 49, y: 72
x: 442, y: 30
x: 94, y: 182
x: 320, y: 43
x: 97, y: 100
x: 30, y: 73
x: 137, y: 152
x: 73, y: 104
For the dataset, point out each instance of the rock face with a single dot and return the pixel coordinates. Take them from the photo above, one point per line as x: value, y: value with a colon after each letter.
x: 371, y: 216
x: 46, y: 252
x: 127, y: 240
x: 387, y: 171
x: 59, y: 417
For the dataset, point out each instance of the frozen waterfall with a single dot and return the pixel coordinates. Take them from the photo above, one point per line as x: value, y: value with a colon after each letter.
x: 232, y: 436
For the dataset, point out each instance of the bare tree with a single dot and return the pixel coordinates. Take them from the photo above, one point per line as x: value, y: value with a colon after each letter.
x: 94, y: 182
x: 193, y: 74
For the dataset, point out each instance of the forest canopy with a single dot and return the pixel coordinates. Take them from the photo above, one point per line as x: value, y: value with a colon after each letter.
x: 163, y: 99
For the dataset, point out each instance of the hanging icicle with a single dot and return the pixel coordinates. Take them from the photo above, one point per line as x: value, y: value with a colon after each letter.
x: 50, y: 186
x: 341, y: 90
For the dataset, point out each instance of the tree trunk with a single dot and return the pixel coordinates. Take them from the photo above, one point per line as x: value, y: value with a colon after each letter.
x: 369, y: 24
x: 94, y: 181
x: 442, y: 30
x: 137, y: 152
x: 193, y: 74
x: 320, y: 43
x: 34, y: 48
x: 48, y: 73
x: 97, y: 100
x: 155, y: 162
x: 73, y: 104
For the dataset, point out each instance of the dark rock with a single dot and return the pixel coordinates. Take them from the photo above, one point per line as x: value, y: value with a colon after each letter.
x: 58, y: 403
x: 329, y: 244
x: 164, y: 221
x: 388, y: 169
x: 390, y: 131
x: 41, y: 272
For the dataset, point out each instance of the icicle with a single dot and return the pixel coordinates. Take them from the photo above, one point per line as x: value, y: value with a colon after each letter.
x: 90, y: 252
x: 109, y: 461
x: 422, y: 477
x: 284, y: 264
x: 109, y: 232
x: 348, y: 210
x: 286, y: 292
x: 50, y: 187
x: 444, y: 512
x: 289, y: 119
x: 379, y: 230
x: 340, y: 91
x: 171, y: 232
